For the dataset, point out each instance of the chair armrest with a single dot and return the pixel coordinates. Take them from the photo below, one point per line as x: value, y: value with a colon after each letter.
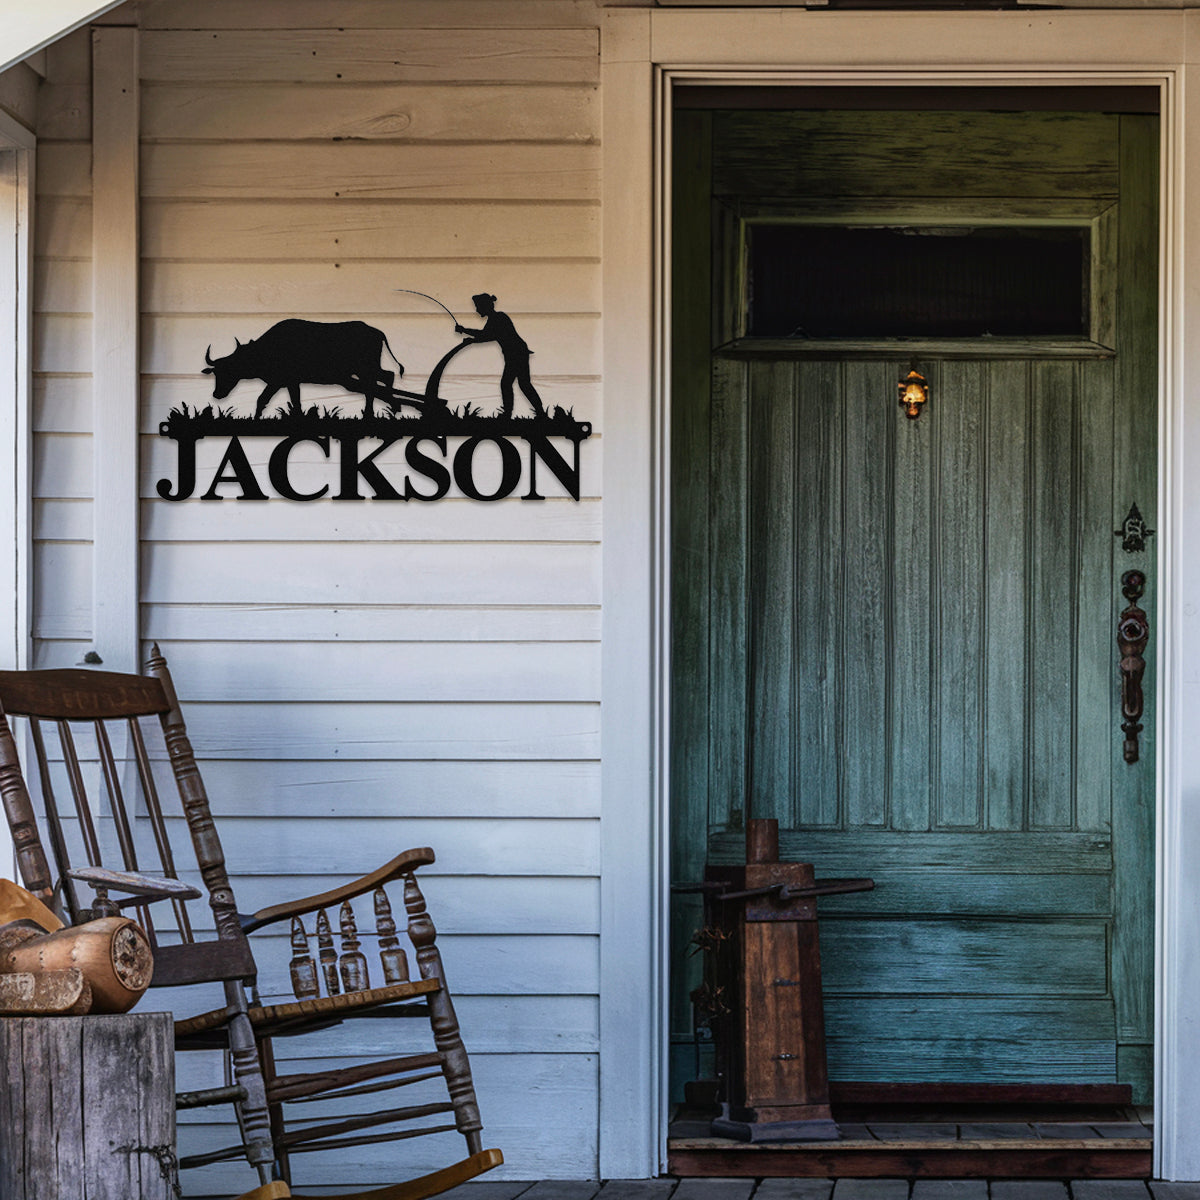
x: 402, y: 864
x: 142, y: 887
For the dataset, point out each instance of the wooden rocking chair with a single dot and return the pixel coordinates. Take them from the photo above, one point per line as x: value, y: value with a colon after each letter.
x: 99, y: 718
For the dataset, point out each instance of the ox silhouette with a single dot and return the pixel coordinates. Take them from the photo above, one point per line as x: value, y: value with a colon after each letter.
x: 293, y: 352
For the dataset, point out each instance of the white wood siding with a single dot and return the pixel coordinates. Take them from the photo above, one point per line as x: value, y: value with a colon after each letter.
x: 18, y: 159
x: 359, y: 678
x: 63, y: 483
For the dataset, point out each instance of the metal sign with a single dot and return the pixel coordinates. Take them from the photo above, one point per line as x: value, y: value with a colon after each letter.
x: 358, y: 358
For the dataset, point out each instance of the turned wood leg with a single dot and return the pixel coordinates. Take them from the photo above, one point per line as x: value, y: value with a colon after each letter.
x: 446, y: 1035
x: 266, y: 1056
x: 247, y: 1071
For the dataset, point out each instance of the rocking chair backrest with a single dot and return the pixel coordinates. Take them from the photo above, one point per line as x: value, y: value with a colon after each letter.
x: 99, y: 708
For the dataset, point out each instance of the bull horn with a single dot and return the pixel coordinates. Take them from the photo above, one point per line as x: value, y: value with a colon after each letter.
x: 208, y: 355
x: 237, y: 343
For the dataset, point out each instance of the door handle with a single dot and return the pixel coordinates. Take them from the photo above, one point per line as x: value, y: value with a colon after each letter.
x: 1133, y: 632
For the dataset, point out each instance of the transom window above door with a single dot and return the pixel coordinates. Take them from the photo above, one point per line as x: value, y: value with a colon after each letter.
x: 962, y: 276
x: 926, y: 281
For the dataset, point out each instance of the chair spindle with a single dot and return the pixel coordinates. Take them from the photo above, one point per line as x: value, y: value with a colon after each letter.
x: 120, y: 816
x: 58, y: 836
x: 116, y: 798
x: 391, y: 954
x: 327, y: 954
x: 83, y: 810
x: 353, y: 963
x: 303, y: 970
x: 158, y: 826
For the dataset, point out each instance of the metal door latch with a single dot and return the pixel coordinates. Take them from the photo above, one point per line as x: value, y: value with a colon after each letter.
x: 1133, y: 632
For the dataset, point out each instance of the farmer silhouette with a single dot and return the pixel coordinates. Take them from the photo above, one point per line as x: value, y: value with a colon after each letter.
x: 498, y: 328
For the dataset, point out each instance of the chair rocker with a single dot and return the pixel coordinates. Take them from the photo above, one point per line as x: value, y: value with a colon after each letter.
x: 101, y: 731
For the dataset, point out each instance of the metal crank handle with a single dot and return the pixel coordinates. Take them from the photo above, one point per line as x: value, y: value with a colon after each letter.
x: 785, y: 891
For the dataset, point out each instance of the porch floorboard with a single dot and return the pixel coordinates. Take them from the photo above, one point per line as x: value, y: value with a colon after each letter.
x: 813, y: 1189
x: 942, y: 1131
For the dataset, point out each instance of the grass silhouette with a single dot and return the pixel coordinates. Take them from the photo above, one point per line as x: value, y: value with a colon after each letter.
x: 433, y: 421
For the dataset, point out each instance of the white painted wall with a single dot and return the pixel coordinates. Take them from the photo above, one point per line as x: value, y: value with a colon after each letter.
x: 63, y: 483
x: 359, y: 678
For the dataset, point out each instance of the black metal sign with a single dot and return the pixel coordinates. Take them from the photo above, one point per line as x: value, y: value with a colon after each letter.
x: 358, y: 358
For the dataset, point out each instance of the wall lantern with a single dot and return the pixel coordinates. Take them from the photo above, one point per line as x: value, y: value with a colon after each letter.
x: 914, y: 394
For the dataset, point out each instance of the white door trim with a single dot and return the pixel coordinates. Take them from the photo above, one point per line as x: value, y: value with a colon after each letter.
x: 645, y: 54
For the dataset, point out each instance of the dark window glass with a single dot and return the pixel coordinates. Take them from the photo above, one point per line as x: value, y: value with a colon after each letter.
x: 823, y: 281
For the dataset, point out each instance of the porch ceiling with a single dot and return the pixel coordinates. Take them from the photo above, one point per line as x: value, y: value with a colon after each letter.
x: 26, y: 28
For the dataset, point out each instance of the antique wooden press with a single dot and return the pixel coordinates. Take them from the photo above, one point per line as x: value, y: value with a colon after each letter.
x: 762, y: 992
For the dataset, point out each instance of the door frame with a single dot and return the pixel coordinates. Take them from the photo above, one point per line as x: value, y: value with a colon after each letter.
x: 645, y: 54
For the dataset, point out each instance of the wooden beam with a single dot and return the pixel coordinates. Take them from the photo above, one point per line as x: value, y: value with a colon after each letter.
x: 16, y: 256
x: 115, y: 344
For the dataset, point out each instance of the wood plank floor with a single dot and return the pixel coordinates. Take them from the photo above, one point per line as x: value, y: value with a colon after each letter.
x: 1007, y: 1160
x: 939, y: 1131
x: 828, y: 1189
x: 977, y: 1149
x: 812, y: 1189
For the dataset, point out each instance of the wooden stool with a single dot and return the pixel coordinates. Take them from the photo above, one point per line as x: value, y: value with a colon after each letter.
x: 87, y: 1108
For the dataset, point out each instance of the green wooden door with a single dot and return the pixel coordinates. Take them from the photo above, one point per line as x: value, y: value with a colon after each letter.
x: 898, y: 637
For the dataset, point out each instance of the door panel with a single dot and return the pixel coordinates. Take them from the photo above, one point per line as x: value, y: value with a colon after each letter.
x: 910, y: 628
x: 897, y: 636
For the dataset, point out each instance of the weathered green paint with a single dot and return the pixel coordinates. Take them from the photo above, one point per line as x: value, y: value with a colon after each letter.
x: 1051, y: 521
x: 957, y: 582
x: 1017, y: 851
x: 760, y: 154
x: 1006, y: 1039
x: 1135, y: 413
x: 898, y: 637
x: 1007, y: 401
x: 894, y: 956
x: 818, y: 584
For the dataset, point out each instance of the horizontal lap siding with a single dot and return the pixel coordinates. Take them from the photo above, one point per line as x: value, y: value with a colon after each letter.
x: 63, y: 476
x: 359, y: 678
